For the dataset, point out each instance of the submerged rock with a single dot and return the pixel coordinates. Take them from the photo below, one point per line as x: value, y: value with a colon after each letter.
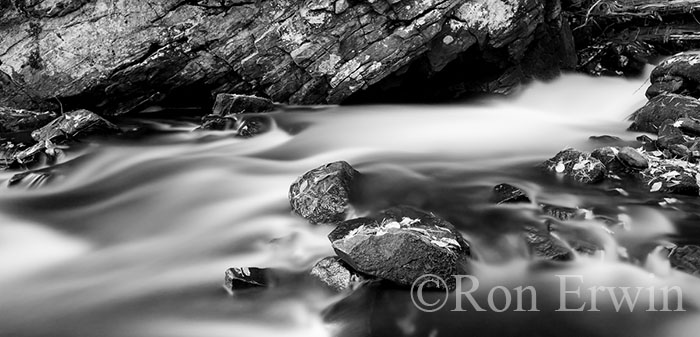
x: 322, y: 195
x: 686, y: 259
x: 19, y: 120
x: 661, y: 108
x: 544, y: 245
x: 678, y: 74
x: 232, y: 104
x: 577, y: 165
x: 217, y: 123
x: 243, y: 278
x: 336, y: 274
x: 253, y: 125
x: 400, y: 245
x: 506, y: 193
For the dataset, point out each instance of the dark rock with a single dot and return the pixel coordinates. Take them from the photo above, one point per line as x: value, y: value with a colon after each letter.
x: 678, y: 74
x: 253, y: 125
x: 632, y: 158
x: 615, y: 58
x: 669, y: 135
x: 400, y: 245
x: 577, y: 165
x: 689, y: 126
x: 72, y: 125
x: 244, y: 278
x: 606, y: 140
x: 608, y: 156
x: 322, y: 195
x: 217, y: 123
x: 562, y: 213
x: 652, y: 116
x: 671, y: 176
x: 506, y: 193
x: 544, y: 245
x: 232, y: 104
x: 9, y: 152
x: 31, y: 179
x: 18, y: 120
x: 686, y: 258
x: 679, y: 150
x: 336, y: 274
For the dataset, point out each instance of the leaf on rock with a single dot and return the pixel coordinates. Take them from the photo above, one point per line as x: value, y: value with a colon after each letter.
x: 656, y: 186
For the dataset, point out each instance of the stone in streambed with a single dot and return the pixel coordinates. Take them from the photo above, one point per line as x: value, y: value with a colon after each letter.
x: 336, y: 274
x: 672, y: 176
x: 19, y: 120
x: 73, y: 124
x: 217, y: 123
x: 253, y: 125
x: 678, y: 74
x: 632, y: 158
x: 689, y: 126
x: 608, y: 156
x: 232, y: 104
x: 506, y: 193
x: 577, y: 165
x: 322, y: 195
x: 401, y: 244
x: 544, y: 245
x: 661, y: 108
x: 686, y: 258
x: 242, y: 278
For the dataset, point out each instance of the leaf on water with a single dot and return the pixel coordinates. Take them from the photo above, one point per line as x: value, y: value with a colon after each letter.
x: 560, y: 167
x: 656, y: 186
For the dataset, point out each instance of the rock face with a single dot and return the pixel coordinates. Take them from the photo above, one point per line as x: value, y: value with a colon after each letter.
x: 322, y: 195
x: 336, y: 274
x: 664, y: 107
x: 400, y: 245
x: 87, y: 55
x: 577, y: 165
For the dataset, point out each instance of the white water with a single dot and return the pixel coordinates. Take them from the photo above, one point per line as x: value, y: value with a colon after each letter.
x: 134, y: 240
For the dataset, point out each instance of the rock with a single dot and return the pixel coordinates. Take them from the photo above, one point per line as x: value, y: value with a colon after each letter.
x: 31, y: 179
x: 669, y: 135
x: 9, y: 152
x: 562, y: 213
x: 672, y: 176
x: 632, y: 158
x: 18, y: 120
x: 232, y: 104
x: 400, y: 245
x: 689, y: 126
x: 217, y: 123
x: 73, y: 124
x: 608, y: 156
x: 544, y: 245
x: 678, y: 74
x: 244, y: 278
x: 322, y: 195
x: 615, y: 58
x: 253, y: 125
x: 606, y: 140
x: 654, y: 113
x: 336, y: 274
x: 577, y: 165
x: 686, y: 258
x: 506, y: 193
x: 298, y: 52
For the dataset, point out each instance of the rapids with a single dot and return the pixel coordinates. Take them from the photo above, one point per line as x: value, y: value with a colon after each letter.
x: 132, y: 237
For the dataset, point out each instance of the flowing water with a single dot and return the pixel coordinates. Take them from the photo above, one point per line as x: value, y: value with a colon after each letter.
x: 132, y: 237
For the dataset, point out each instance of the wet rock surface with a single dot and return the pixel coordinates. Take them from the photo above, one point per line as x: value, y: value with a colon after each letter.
x: 615, y: 58
x: 664, y: 107
x: 243, y: 278
x: 322, y: 195
x: 576, y: 165
x: 74, y: 124
x: 401, y: 244
x: 679, y: 74
x: 336, y: 274
x: 19, y: 120
x: 543, y: 245
x: 506, y: 193
x: 232, y: 104
x: 686, y: 258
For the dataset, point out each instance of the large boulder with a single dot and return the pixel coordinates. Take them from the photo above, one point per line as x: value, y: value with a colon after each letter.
x: 401, y: 245
x: 322, y: 195
x: 661, y: 108
x: 678, y: 74
x: 576, y: 165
